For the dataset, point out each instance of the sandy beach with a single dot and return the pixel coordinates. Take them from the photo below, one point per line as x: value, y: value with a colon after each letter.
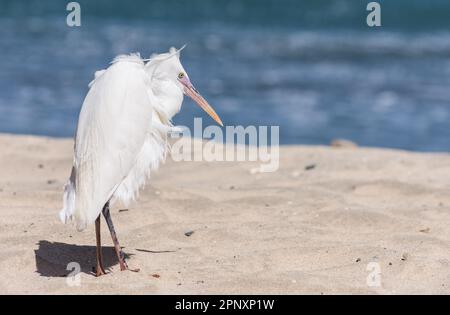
x: 318, y: 225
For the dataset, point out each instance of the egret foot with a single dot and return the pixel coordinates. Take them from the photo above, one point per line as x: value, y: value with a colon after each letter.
x: 99, y: 271
x: 123, y: 264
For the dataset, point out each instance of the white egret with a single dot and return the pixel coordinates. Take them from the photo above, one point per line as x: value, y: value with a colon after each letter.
x: 122, y: 136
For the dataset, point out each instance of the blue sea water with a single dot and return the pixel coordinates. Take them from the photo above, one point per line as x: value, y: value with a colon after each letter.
x: 312, y: 67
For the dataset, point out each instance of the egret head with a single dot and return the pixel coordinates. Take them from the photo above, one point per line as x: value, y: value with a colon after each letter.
x: 170, y: 68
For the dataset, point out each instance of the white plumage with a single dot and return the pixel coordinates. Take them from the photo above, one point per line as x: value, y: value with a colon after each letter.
x: 122, y: 136
x: 122, y: 132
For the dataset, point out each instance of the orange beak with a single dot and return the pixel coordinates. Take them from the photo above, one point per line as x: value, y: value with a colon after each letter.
x: 192, y: 92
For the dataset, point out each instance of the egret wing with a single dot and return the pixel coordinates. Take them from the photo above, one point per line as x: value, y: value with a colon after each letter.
x: 112, y: 128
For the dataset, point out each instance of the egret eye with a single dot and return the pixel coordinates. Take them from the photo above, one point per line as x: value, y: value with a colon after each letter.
x: 181, y: 75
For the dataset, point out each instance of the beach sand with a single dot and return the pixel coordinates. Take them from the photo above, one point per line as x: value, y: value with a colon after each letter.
x: 326, y: 222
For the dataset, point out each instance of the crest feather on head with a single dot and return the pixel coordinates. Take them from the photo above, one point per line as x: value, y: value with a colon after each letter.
x: 172, y: 52
x: 156, y: 59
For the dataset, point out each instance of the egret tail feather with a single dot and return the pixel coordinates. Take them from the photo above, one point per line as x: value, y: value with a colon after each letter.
x: 68, y: 199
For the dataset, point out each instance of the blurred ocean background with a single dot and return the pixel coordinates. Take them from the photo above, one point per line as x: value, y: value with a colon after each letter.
x: 312, y: 67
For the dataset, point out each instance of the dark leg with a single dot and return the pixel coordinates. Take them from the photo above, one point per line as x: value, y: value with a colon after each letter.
x: 99, y: 270
x: 119, y: 252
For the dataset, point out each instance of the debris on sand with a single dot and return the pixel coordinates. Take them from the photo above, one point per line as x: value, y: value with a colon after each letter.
x: 189, y: 233
x: 310, y: 167
x: 156, y: 251
x: 404, y: 256
x: 343, y: 143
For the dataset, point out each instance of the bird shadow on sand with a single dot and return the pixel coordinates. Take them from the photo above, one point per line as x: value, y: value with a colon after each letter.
x: 53, y: 258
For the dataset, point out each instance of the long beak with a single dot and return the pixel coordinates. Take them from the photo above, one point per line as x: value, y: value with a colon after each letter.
x: 192, y: 92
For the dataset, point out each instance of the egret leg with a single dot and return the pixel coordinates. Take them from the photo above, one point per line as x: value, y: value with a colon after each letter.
x: 119, y: 252
x: 99, y: 270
